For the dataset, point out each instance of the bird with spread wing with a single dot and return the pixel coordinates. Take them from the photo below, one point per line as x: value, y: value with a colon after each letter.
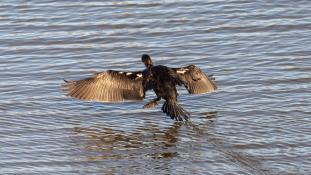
x: 116, y: 86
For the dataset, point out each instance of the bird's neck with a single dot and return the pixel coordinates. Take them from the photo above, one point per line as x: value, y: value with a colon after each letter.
x: 149, y: 66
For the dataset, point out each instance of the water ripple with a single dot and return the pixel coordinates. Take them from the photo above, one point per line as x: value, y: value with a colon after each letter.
x: 257, y: 122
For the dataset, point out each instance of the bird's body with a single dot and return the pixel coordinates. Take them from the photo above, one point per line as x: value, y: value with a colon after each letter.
x: 112, y: 86
x: 163, y: 83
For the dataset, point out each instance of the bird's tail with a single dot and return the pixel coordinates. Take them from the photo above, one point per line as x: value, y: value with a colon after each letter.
x: 175, y: 111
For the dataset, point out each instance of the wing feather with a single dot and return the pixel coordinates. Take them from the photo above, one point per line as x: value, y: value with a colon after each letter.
x: 108, y: 86
x: 195, y: 80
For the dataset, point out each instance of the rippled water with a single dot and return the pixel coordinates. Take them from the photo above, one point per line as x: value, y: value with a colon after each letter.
x: 258, y: 121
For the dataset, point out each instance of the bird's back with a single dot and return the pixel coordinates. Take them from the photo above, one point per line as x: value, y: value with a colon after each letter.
x: 163, y: 82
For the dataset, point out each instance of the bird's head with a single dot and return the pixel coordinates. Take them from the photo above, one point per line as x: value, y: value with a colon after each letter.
x: 146, y: 60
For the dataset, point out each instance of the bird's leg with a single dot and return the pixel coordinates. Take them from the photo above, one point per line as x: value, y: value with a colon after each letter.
x: 152, y: 103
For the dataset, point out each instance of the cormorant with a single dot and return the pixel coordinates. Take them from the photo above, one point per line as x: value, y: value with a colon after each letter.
x: 115, y: 86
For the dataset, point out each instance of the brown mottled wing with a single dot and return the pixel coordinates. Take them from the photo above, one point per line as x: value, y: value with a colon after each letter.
x: 108, y: 86
x: 195, y: 80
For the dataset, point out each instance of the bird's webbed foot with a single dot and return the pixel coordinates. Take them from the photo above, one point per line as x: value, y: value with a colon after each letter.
x: 152, y: 103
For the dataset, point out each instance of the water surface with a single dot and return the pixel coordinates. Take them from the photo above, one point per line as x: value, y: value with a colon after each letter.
x: 258, y: 121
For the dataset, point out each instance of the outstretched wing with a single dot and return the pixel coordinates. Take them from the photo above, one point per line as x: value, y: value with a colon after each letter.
x: 195, y: 80
x: 108, y: 86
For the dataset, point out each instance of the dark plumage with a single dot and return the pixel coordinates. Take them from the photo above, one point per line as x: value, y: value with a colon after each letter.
x: 115, y: 86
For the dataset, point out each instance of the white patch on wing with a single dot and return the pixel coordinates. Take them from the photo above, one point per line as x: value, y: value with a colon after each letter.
x: 139, y: 75
x: 129, y: 73
x: 120, y: 72
x: 182, y: 71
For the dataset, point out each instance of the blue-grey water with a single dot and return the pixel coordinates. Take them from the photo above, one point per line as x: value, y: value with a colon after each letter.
x: 257, y: 122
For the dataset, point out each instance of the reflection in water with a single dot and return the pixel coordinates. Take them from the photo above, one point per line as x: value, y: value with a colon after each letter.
x: 150, y: 141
